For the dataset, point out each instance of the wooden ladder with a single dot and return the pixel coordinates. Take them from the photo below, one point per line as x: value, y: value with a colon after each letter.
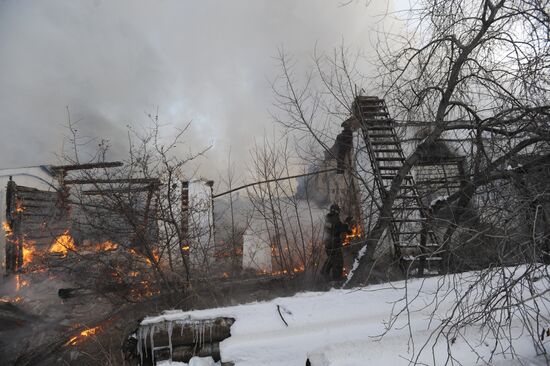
x: 414, y: 242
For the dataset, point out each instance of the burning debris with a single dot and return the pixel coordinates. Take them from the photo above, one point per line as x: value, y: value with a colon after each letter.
x: 63, y: 244
x: 83, y: 335
x: 356, y: 234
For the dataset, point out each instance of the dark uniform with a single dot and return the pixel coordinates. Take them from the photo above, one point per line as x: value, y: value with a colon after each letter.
x: 344, y: 144
x: 334, y: 229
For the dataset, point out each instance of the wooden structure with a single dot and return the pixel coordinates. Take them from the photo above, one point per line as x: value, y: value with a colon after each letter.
x: 34, y: 218
x: 100, y: 209
x: 414, y: 242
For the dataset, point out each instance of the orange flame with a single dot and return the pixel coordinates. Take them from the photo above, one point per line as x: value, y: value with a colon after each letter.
x: 7, y: 228
x: 355, y: 233
x: 28, y: 252
x: 85, y: 333
x: 20, y: 282
x: 63, y: 244
x: 11, y: 299
x: 19, y: 207
x: 156, y: 257
x: 298, y: 269
x: 107, y: 246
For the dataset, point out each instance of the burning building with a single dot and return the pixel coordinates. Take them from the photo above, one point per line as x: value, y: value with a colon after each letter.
x: 286, y: 240
x: 27, y: 196
x: 198, y: 225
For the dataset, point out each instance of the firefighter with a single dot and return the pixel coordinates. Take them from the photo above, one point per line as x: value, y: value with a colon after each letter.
x: 334, y: 231
x: 344, y: 145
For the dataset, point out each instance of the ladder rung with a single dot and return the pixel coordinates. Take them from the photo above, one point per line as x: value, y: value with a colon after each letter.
x: 369, y: 98
x: 407, y: 197
x: 382, y: 135
x: 387, y: 151
x: 390, y: 159
x: 385, y: 176
x: 417, y: 246
x: 372, y: 106
x: 389, y: 167
x: 370, y: 122
x: 409, y: 220
x: 413, y: 258
x: 372, y: 113
x: 386, y: 142
x: 379, y: 128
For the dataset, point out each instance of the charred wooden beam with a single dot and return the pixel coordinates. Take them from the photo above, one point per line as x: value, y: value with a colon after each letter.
x: 113, y: 181
x: 180, y: 340
x: 218, y: 330
x: 107, y: 192
x: 64, y: 168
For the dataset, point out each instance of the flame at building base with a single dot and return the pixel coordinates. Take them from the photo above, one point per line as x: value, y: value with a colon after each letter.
x: 82, y: 336
x: 63, y: 244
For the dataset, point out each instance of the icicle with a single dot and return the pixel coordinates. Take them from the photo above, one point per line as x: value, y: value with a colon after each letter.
x: 211, y: 325
x: 194, y: 330
x: 199, y: 328
x: 152, y: 334
x: 169, y: 330
x: 143, y: 332
x: 139, y: 349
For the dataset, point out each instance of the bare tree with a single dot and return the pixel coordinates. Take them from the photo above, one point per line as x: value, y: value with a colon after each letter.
x: 480, y: 71
x: 475, y: 75
x: 128, y: 220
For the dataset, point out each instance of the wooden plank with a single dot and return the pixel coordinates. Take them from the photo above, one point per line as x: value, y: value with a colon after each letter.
x: 111, y: 191
x: 113, y: 181
x: 39, y: 196
x: 64, y: 168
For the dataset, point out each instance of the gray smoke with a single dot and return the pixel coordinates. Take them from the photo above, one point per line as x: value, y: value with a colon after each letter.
x: 113, y: 62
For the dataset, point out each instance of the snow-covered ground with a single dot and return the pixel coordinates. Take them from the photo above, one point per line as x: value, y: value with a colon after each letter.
x: 345, y: 327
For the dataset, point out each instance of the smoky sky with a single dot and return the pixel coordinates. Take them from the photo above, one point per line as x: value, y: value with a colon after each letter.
x: 114, y: 62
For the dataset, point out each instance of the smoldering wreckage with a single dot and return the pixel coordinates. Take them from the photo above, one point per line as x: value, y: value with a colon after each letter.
x: 83, y: 266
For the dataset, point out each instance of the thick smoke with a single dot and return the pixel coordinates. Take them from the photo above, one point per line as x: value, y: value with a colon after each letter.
x: 113, y: 62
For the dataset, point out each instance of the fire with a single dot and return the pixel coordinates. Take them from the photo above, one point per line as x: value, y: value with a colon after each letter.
x: 11, y: 299
x: 185, y: 248
x: 355, y: 233
x: 144, y: 289
x: 28, y: 252
x: 19, y: 207
x: 156, y: 257
x: 133, y: 273
x: 107, y: 246
x: 298, y: 269
x: 85, y: 333
x: 20, y: 282
x: 7, y: 228
x: 63, y: 244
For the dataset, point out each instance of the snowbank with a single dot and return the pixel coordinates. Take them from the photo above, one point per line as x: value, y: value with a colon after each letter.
x: 344, y: 328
